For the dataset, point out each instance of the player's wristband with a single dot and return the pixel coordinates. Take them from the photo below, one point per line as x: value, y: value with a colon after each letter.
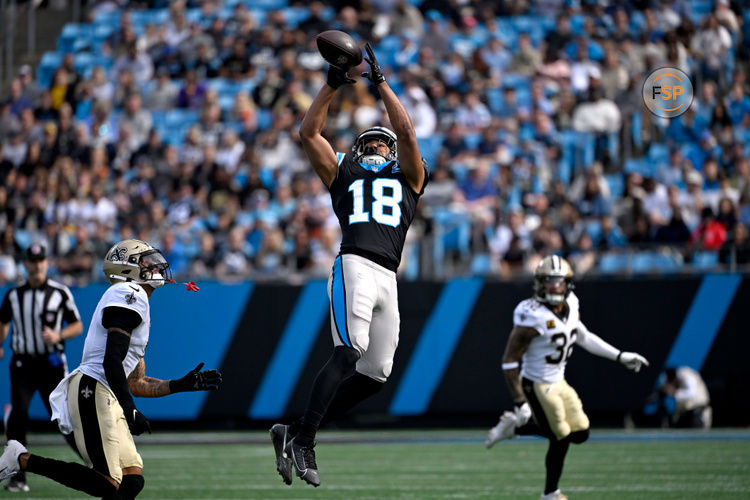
x: 510, y: 366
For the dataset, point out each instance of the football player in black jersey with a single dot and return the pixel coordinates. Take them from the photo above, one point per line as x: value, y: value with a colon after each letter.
x: 374, y: 190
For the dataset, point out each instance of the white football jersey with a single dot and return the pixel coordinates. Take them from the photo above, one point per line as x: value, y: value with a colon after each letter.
x: 129, y: 296
x: 544, y: 361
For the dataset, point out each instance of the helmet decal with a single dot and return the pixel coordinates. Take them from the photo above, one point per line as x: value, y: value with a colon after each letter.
x: 138, y: 262
x: 118, y: 254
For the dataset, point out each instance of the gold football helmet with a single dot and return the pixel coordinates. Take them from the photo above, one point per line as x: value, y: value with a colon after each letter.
x: 551, y: 272
x: 138, y: 262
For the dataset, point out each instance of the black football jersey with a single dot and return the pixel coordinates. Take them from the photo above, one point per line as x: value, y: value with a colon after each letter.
x: 375, y: 206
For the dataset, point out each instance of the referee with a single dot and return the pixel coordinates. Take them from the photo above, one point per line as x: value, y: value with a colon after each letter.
x: 38, y: 308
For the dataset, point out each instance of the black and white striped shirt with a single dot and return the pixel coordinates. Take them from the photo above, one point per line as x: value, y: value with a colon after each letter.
x: 31, y: 309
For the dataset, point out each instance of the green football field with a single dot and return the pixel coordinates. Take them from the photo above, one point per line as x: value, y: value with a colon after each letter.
x: 432, y: 465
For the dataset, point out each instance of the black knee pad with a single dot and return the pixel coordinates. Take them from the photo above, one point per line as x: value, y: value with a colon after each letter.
x: 578, y: 437
x: 344, y: 359
x: 131, y: 485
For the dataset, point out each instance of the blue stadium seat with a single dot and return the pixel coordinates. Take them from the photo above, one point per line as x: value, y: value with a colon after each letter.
x: 295, y: 15
x: 742, y: 134
x: 108, y: 18
x: 72, y: 32
x: 481, y: 265
x: 658, y: 152
x: 667, y: 262
x: 495, y: 100
x: 429, y: 147
x: 564, y: 170
x: 178, y: 117
x: 410, y: 267
x: 265, y: 119
x: 640, y: 165
x: 270, y: 4
x: 705, y: 260
x: 642, y: 262
x: 47, y: 66
x: 452, y: 233
x: 516, y: 81
x: 594, y: 229
x: 616, y: 184
x: 22, y: 237
x: 610, y: 263
x: 472, y: 140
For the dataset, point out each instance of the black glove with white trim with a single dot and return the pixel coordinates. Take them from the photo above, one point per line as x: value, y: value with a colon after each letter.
x: 375, y: 75
x: 137, y: 422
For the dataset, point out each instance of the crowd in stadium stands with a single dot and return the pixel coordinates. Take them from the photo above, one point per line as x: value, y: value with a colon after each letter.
x: 177, y: 123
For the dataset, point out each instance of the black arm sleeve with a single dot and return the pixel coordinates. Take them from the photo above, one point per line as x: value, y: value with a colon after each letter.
x: 6, y: 312
x: 114, y: 354
x: 120, y: 317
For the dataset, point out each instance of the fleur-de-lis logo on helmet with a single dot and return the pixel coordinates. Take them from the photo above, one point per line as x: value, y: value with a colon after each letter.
x: 118, y: 254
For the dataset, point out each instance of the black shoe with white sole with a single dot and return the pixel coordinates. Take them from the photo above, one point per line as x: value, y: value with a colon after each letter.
x: 279, y: 436
x: 303, y: 459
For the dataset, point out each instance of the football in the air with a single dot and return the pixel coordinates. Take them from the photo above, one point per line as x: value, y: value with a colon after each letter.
x: 339, y: 49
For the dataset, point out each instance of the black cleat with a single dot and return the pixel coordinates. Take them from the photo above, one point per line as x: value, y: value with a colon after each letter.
x: 303, y: 459
x: 279, y: 434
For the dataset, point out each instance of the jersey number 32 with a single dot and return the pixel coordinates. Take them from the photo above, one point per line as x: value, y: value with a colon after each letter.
x: 386, y: 196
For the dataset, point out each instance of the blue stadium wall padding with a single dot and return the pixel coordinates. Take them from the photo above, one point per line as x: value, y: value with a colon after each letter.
x: 186, y: 328
x: 270, y: 340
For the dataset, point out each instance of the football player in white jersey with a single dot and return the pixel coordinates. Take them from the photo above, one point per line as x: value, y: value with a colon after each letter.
x: 545, y: 328
x: 95, y: 402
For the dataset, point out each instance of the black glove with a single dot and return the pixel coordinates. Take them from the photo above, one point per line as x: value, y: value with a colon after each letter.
x: 137, y: 423
x: 376, y: 74
x: 196, y: 380
x: 338, y: 77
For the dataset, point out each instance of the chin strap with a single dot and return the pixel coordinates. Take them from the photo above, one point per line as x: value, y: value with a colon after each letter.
x: 191, y: 286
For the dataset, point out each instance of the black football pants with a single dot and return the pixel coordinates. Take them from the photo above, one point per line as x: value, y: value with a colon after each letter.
x: 29, y: 374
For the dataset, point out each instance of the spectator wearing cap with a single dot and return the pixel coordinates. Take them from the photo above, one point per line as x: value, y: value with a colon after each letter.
x: 29, y: 86
x: 37, y: 308
x: 406, y: 20
x: 436, y: 37
x: 710, y: 46
x: 138, y: 63
x: 163, y: 95
x: 526, y: 58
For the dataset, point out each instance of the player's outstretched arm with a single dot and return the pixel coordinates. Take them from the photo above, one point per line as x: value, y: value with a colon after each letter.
x: 408, y: 150
x: 595, y: 345
x: 146, y: 387
x: 318, y: 150
x: 196, y: 380
x: 149, y: 387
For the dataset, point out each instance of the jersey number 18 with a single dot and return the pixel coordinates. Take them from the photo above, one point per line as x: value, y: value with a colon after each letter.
x: 381, y: 200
